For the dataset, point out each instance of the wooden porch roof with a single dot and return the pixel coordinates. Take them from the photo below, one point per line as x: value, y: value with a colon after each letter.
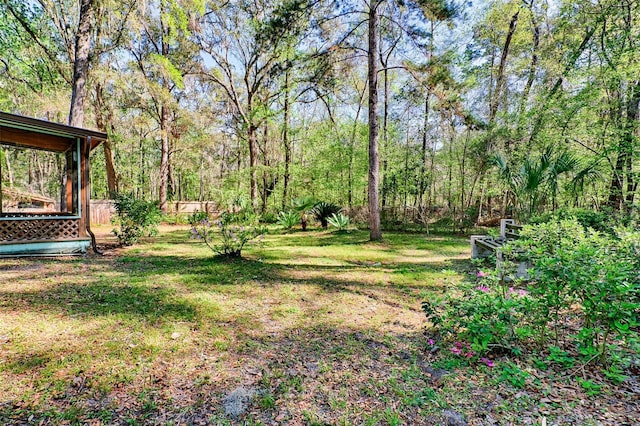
x: 40, y: 134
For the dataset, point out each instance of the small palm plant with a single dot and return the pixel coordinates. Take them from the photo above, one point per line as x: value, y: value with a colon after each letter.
x: 303, y: 206
x: 339, y: 221
x: 323, y: 211
x: 288, y: 219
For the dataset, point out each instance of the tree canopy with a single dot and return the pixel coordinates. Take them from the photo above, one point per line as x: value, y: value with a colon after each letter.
x: 419, y: 110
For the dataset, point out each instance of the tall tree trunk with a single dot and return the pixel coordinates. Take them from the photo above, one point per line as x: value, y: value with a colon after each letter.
x: 423, y: 151
x: 375, y: 232
x: 500, y: 79
x: 164, y: 156
x: 534, y: 65
x: 590, y: 31
x: 624, y: 162
x: 165, y: 120
x: 285, y: 142
x: 265, y: 162
x: 81, y: 63
x: 103, y: 122
x: 252, y: 136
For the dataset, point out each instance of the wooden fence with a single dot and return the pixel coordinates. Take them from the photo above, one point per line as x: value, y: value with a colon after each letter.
x: 103, y: 210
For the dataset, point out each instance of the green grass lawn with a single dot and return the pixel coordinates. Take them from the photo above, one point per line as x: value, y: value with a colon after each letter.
x: 324, y: 328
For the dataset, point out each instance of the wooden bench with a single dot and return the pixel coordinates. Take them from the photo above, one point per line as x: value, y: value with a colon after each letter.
x: 485, y: 245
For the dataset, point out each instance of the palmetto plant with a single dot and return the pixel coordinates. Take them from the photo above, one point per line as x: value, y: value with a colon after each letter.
x: 303, y: 206
x: 288, y: 219
x: 323, y: 211
x: 339, y: 221
x: 536, y: 178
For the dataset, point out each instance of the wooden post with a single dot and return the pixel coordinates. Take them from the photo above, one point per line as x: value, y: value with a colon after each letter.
x: 1, y: 156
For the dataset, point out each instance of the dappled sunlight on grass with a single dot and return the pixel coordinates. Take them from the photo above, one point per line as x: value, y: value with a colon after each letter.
x: 167, y: 318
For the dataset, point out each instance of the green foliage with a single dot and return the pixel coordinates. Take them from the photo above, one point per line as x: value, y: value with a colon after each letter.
x: 535, y: 179
x: 232, y: 238
x: 514, y: 375
x: 590, y: 387
x: 268, y: 217
x: 197, y: 217
x: 571, y: 265
x: 597, y: 220
x: 240, y: 212
x: 322, y: 211
x: 288, y: 219
x: 579, y: 276
x: 136, y: 218
x: 487, y: 315
x: 303, y: 206
x: 339, y: 221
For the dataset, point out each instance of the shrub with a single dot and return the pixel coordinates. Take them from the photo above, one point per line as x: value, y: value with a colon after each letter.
x: 597, y: 220
x: 583, y: 297
x: 197, y: 216
x: 339, y: 221
x: 597, y: 271
x: 240, y: 211
x: 233, y: 238
x: 268, y: 217
x: 135, y: 218
x: 487, y: 315
x: 322, y: 211
x: 288, y: 219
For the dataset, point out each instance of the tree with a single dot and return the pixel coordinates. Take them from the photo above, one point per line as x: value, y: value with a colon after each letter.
x: 80, y: 44
x: 248, y: 45
x: 163, y: 56
x: 375, y: 232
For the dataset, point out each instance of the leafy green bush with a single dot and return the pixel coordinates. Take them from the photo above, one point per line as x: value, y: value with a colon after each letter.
x: 268, y: 217
x: 240, y: 212
x: 233, y: 238
x: 288, y: 219
x: 598, y: 272
x: 583, y: 298
x: 488, y: 316
x: 135, y: 218
x: 339, y: 221
x: 322, y: 211
x: 197, y: 216
x: 597, y: 220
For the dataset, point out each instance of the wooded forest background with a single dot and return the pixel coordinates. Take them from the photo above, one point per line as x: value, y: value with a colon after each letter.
x: 475, y: 109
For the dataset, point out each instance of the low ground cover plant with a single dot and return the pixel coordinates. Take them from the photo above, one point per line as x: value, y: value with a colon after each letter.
x: 288, y: 219
x: 339, y: 221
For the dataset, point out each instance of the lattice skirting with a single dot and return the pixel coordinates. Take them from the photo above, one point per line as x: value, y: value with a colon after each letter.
x: 39, y: 230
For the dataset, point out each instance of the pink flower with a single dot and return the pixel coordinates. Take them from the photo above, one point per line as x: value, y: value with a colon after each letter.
x: 487, y: 361
x: 431, y: 342
x: 456, y: 351
x: 482, y: 274
x: 483, y: 288
x: 523, y: 292
x: 470, y: 354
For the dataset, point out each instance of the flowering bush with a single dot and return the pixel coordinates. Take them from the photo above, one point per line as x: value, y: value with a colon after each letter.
x: 583, y: 293
x: 487, y: 315
x: 578, y: 267
x: 233, y: 237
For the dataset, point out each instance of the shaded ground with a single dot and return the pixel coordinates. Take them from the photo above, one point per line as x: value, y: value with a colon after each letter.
x: 318, y: 328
